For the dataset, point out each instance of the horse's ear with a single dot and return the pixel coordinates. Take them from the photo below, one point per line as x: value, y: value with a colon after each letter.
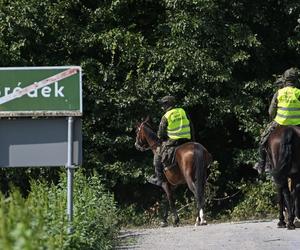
x: 138, y: 123
x: 150, y: 121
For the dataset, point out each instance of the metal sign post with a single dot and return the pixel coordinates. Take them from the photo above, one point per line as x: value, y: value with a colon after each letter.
x: 70, y: 170
x: 52, y: 92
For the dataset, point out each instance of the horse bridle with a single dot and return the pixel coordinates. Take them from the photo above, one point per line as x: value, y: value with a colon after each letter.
x: 141, y: 147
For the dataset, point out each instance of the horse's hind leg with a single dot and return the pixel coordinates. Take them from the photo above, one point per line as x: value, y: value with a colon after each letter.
x: 199, y: 197
x: 281, y: 223
x: 297, y: 201
x: 295, y: 191
x: 192, y: 187
x: 200, y: 220
x: 201, y: 166
x: 289, y: 206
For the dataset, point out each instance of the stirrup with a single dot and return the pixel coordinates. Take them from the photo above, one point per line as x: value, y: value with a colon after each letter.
x: 155, y: 181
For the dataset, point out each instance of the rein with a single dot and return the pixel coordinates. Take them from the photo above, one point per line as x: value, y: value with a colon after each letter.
x: 150, y: 146
x: 153, y: 145
x: 138, y: 147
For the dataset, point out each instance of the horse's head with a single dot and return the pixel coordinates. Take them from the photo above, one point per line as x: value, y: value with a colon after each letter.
x: 145, y: 137
x: 141, y: 142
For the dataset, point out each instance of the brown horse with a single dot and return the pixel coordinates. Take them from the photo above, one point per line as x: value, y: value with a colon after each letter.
x: 192, y: 162
x: 283, y: 148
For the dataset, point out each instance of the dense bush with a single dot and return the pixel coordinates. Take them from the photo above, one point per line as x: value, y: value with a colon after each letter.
x: 40, y: 222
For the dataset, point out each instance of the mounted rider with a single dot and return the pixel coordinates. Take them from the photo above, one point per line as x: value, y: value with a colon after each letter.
x: 175, y: 128
x: 284, y: 109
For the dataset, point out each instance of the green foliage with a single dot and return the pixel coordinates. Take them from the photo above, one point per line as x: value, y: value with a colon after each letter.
x: 212, y: 188
x: 259, y: 201
x: 132, y: 216
x: 219, y: 58
x: 40, y: 221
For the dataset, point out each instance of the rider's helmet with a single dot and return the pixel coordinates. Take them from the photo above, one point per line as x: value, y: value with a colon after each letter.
x: 291, y: 77
x: 167, y: 102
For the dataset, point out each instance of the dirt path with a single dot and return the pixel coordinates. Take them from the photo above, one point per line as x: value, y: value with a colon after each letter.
x: 246, y: 235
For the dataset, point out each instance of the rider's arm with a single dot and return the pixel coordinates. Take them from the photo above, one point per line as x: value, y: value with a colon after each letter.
x: 273, y: 106
x: 162, y: 132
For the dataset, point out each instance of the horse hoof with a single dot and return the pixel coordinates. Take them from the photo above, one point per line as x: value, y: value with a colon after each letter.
x: 176, y: 222
x: 297, y: 223
x: 203, y: 223
x: 163, y: 224
x: 291, y: 227
x: 281, y: 224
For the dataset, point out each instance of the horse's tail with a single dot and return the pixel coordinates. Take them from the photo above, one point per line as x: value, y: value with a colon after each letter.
x: 200, y: 167
x: 285, y: 154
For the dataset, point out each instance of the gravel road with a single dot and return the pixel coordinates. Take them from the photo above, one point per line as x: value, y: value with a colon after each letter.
x: 245, y: 235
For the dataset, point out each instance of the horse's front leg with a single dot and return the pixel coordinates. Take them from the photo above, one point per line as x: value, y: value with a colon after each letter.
x: 164, y: 222
x: 171, y: 200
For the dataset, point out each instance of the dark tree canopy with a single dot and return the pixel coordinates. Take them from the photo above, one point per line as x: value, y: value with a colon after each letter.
x: 219, y: 58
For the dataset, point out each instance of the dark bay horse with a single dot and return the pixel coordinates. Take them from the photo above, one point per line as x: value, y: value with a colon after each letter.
x: 192, y: 162
x: 283, y: 148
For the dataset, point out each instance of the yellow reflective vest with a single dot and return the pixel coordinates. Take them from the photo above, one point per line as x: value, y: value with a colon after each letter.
x: 178, y: 124
x: 288, y: 107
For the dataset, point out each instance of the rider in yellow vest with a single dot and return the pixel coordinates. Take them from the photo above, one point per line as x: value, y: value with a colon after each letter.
x: 284, y: 109
x: 175, y: 128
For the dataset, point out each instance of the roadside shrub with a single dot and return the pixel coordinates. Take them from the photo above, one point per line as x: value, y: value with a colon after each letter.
x: 259, y: 201
x: 131, y: 216
x: 40, y: 221
x: 95, y: 222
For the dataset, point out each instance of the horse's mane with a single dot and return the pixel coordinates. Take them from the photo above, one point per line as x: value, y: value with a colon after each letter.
x: 150, y: 132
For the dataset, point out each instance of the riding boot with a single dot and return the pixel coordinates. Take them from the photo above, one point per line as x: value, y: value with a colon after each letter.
x: 260, y: 165
x: 158, y: 178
